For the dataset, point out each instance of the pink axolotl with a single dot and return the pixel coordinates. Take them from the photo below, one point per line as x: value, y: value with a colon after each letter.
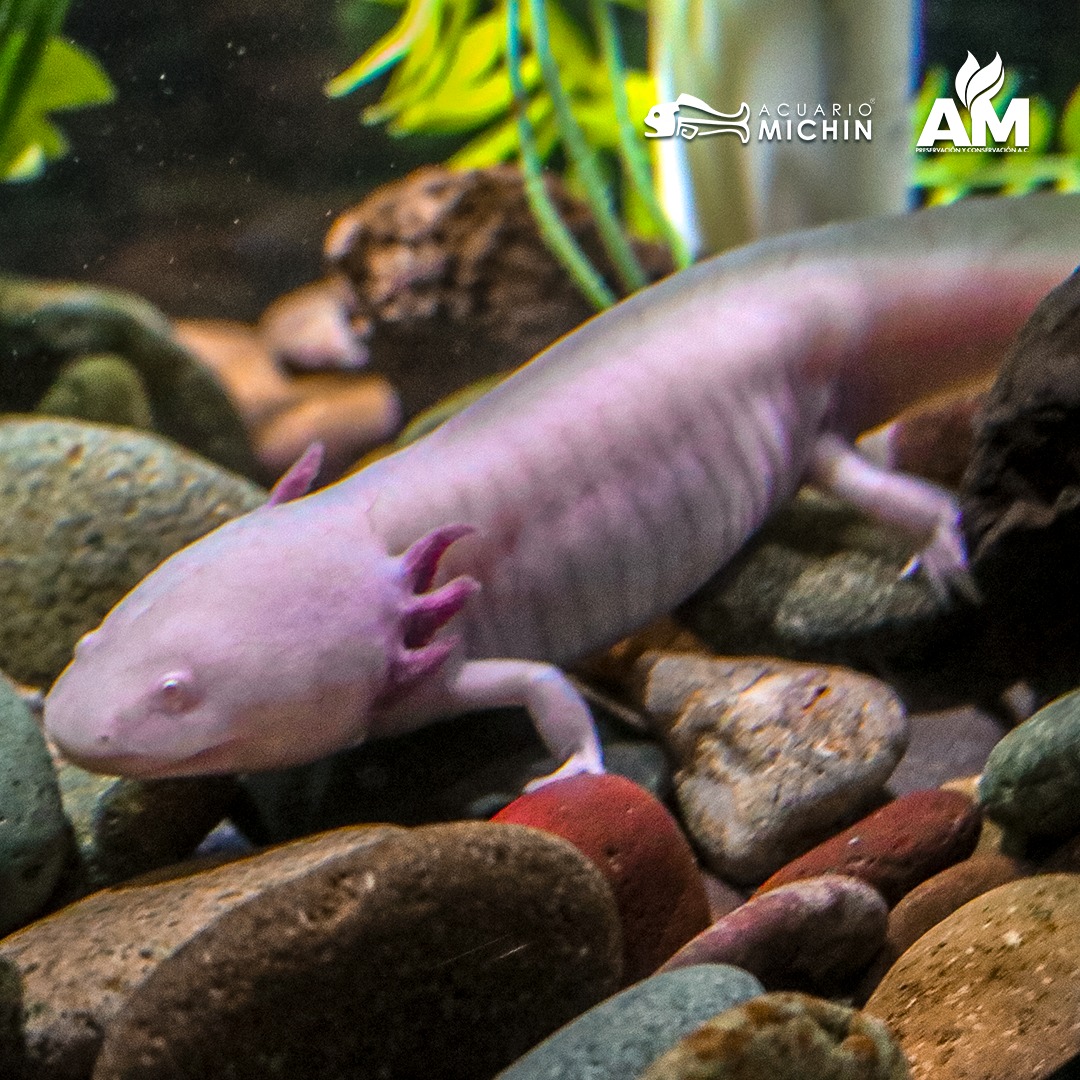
x: 590, y: 492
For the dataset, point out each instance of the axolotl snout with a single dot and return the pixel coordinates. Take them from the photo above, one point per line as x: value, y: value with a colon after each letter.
x: 593, y: 490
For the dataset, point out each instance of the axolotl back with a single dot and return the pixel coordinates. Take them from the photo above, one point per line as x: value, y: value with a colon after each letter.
x: 591, y: 491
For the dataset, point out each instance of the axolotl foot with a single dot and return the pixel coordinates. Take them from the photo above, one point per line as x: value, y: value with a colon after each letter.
x: 908, y: 502
x: 558, y: 711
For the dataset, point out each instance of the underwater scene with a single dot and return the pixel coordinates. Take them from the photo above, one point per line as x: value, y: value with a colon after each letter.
x: 538, y: 540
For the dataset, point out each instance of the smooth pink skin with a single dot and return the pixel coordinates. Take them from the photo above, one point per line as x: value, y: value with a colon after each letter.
x: 603, y: 483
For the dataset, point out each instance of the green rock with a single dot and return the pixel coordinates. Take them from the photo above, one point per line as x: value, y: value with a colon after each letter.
x: 1031, y: 782
x: 35, y: 838
x: 44, y: 325
x: 617, y: 1039
x: 104, y: 389
x: 86, y: 512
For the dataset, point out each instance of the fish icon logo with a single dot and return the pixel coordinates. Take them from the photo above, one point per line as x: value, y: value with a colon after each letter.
x: 666, y: 121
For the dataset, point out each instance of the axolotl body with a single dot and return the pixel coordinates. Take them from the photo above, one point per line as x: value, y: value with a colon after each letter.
x: 593, y: 490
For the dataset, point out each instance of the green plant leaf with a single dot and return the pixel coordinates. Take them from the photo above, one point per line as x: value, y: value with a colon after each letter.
x: 66, y: 78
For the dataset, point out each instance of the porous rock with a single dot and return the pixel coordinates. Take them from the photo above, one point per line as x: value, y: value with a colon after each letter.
x: 86, y: 511
x: 35, y: 839
x: 817, y: 934
x: 452, y: 280
x: 785, y: 1036
x: 991, y: 991
x: 896, y: 847
x: 616, y: 1039
x: 638, y: 847
x: 771, y: 756
x: 443, y: 952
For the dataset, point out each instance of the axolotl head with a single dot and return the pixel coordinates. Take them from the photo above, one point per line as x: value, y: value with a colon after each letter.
x: 272, y: 641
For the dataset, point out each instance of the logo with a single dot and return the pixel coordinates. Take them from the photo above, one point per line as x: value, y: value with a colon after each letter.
x: 976, y: 87
x: 783, y: 122
x: 665, y: 121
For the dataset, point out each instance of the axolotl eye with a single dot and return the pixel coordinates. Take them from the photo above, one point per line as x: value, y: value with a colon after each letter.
x: 175, y: 693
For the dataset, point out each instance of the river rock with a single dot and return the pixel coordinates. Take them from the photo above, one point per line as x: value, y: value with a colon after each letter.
x: 445, y: 951
x: 638, y: 847
x: 817, y: 934
x: 46, y: 325
x: 935, y: 899
x: 35, y: 839
x: 1031, y: 783
x: 772, y: 756
x: 12, y: 1041
x: 991, y: 991
x: 896, y: 847
x: 785, y: 1036
x: 618, y: 1038
x: 86, y: 511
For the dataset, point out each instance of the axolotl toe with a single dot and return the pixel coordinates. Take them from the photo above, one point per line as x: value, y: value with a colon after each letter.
x: 592, y: 491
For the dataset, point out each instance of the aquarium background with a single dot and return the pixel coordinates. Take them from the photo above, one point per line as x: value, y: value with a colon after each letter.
x: 208, y: 184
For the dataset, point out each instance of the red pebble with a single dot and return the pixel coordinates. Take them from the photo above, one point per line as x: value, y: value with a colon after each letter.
x: 896, y: 847
x: 638, y: 847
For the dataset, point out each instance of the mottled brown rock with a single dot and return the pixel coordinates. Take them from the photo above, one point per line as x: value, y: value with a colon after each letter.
x: 771, y: 756
x: 452, y: 280
x: 936, y: 899
x: 991, y: 993
x: 785, y: 1036
x: 817, y: 935
x: 896, y: 847
x: 445, y: 951
x: 80, y: 965
x: 86, y: 511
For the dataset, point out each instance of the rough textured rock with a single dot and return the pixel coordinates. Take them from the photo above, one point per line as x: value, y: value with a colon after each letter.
x: 44, y: 325
x: 638, y: 847
x: 1021, y: 499
x: 452, y: 280
x: 618, y: 1038
x: 817, y: 934
x: 1031, y: 783
x: 934, y: 900
x: 785, y: 1036
x: 35, y: 839
x: 896, y: 847
x: 771, y: 756
x: 443, y: 952
x: 86, y: 511
x: 991, y: 992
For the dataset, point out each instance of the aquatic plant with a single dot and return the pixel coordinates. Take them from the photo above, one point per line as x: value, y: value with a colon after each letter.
x: 1051, y: 161
x: 40, y: 73
x: 460, y: 68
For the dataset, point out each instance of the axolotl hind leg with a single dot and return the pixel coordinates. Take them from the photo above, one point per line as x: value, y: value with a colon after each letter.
x: 906, y: 501
x: 561, y: 717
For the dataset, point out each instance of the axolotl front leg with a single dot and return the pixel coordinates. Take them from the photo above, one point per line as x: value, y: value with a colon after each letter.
x: 558, y: 712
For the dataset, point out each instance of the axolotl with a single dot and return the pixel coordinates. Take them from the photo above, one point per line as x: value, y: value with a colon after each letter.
x: 591, y: 491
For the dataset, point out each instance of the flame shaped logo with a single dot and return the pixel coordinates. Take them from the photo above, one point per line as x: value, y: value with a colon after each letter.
x: 973, y: 82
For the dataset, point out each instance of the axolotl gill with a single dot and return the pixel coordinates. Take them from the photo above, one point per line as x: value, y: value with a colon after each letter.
x: 593, y: 490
